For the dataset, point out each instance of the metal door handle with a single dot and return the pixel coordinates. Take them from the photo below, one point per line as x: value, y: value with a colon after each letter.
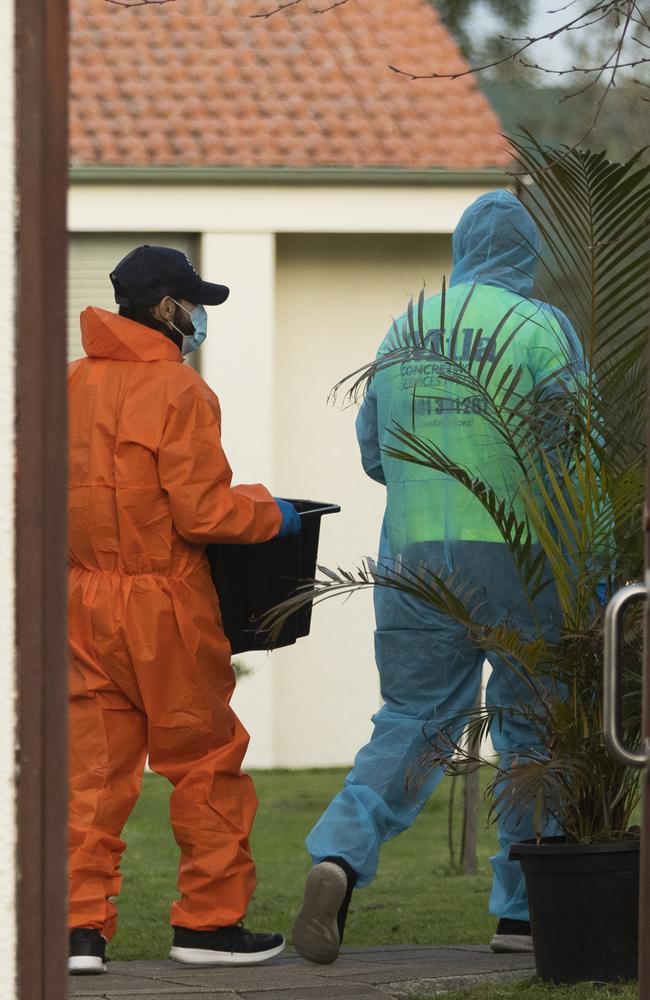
x: 613, y: 619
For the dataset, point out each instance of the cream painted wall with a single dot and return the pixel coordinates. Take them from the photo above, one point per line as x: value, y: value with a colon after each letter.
x: 290, y: 208
x: 336, y: 296
x: 7, y: 418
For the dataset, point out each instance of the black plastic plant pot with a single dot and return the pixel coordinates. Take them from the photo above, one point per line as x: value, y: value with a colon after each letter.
x: 584, y: 906
x: 252, y: 579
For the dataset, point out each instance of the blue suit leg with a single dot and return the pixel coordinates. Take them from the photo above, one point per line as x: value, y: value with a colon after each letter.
x: 429, y: 674
x: 490, y: 566
x: 515, y: 735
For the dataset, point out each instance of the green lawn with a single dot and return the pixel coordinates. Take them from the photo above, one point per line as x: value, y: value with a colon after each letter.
x: 536, y: 990
x: 415, y: 899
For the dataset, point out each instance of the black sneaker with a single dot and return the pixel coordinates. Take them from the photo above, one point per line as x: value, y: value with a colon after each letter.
x: 318, y: 930
x: 512, y: 936
x: 224, y: 946
x: 87, y: 956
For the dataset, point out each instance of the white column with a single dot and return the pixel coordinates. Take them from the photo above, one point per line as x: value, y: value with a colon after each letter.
x: 8, y: 279
x: 237, y: 361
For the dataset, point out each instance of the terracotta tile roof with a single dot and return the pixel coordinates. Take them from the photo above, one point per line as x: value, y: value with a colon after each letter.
x: 200, y: 83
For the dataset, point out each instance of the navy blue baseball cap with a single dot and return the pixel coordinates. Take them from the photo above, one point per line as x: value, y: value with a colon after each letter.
x: 148, y: 274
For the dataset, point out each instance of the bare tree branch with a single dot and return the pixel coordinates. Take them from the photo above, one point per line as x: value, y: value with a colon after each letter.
x: 625, y: 9
x: 137, y: 3
x: 332, y: 6
x: 294, y: 3
x: 560, y: 10
x: 276, y: 10
x: 642, y: 20
x: 583, y: 69
x: 625, y: 12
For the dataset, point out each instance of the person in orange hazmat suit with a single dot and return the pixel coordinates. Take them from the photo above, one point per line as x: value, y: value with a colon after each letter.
x: 150, y: 669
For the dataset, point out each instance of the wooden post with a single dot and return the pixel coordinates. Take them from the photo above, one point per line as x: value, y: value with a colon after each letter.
x: 41, y: 140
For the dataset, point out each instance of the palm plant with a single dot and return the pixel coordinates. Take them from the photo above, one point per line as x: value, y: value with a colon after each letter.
x: 574, y: 524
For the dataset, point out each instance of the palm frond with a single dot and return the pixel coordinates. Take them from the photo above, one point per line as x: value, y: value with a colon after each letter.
x: 576, y: 441
x: 446, y: 592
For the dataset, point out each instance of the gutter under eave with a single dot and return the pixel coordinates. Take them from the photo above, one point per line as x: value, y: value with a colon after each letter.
x: 490, y: 176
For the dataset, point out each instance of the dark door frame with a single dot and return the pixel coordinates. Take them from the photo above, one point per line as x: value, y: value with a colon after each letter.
x: 41, y: 47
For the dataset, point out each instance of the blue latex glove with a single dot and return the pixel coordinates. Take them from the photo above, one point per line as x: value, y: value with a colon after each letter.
x: 290, y: 519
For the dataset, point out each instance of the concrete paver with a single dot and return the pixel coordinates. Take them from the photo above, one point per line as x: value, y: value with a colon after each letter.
x: 114, y: 984
x: 203, y: 994
x: 387, y: 973
x: 333, y: 991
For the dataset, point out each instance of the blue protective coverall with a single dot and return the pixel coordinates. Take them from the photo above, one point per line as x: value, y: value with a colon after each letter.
x: 429, y: 671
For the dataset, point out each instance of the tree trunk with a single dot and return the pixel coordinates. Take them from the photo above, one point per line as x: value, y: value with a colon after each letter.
x: 471, y: 796
x: 471, y: 799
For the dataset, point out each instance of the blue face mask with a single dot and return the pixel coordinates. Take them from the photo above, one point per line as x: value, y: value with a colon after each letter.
x: 199, y: 320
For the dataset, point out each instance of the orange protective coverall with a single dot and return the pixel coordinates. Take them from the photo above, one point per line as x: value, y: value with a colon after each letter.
x: 150, y: 665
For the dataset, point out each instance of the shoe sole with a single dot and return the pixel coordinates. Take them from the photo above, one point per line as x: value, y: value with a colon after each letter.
x: 85, y: 965
x: 511, y: 943
x: 202, y: 956
x: 316, y: 932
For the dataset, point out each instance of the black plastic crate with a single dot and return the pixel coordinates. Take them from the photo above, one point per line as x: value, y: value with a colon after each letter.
x: 252, y: 579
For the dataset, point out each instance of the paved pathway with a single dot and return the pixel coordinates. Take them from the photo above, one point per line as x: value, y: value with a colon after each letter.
x: 359, y: 974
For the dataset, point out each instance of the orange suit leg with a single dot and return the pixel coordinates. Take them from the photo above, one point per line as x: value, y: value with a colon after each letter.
x: 107, y: 756
x: 194, y: 738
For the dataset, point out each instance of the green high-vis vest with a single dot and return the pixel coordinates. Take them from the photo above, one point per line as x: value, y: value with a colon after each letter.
x: 486, y: 327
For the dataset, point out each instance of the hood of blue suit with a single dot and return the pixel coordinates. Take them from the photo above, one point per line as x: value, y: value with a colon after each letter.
x: 496, y: 242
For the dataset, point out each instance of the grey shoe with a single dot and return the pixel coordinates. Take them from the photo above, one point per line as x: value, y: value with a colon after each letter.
x: 318, y: 930
x: 512, y: 936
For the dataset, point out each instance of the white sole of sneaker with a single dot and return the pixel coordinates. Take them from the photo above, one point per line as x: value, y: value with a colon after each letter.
x: 85, y: 965
x: 201, y: 956
x: 511, y: 943
x: 316, y: 932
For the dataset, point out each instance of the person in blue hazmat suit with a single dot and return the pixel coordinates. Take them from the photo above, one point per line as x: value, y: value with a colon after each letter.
x: 430, y: 673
